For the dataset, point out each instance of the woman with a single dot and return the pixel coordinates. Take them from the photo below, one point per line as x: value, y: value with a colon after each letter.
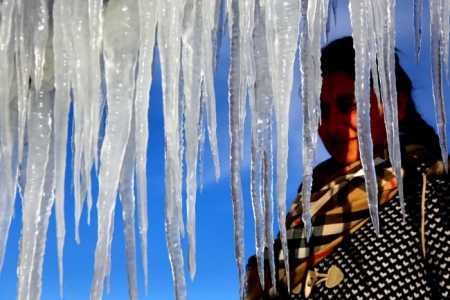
x: 344, y: 258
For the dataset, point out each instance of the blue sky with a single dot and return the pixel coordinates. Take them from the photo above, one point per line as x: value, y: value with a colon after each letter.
x: 216, y: 276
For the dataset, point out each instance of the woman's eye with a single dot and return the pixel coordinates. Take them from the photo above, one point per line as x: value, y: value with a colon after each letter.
x: 347, y: 106
x: 324, y: 110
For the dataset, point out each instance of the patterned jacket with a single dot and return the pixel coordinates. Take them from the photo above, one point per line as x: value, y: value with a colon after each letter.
x: 410, y: 260
x: 393, y: 266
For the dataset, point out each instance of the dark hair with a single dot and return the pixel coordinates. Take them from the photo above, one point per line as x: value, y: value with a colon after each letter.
x: 339, y: 55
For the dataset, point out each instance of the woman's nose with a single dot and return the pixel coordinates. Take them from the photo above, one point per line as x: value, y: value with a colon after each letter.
x: 337, y: 122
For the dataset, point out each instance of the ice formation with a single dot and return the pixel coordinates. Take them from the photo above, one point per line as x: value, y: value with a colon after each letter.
x: 101, y: 56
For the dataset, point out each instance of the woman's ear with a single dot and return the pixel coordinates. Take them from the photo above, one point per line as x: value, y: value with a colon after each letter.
x: 403, y: 99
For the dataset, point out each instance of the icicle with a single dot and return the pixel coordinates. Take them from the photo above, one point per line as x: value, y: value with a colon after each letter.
x: 61, y: 112
x: 325, y: 13
x: 201, y: 135
x: 192, y: 39
x: 147, y: 18
x: 362, y: 96
x: 91, y: 27
x: 390, y: 103
x: 24, y: 57
x: 382, y: 61
x: 79, y: 56
x: 181, y: 110
x: 261, y: 129
x: 268, y: 152
x: 334, y: 6
x: 311, y: 88
x: 417, y: 15
x: 258, y: 214
x: 108, y: 261
x: 208, y: 67
x: 169, y: 33
x: 45, y: 207
x: 7, y: 173
x: 218, y: 29
x: 170, y: 27
x: 247, y: 19
x: 39, y: 130
x: 436, y: 70
x: 120, y: 52
x: 235, y: 98
x: 40, y: 38
x: 8, y: 194
x: 286, y: 17
x: 126, y: 189
x: 95, y: 27
x: 246, y: 23
x: 373, y: 13
x: 445, y: 36
x: 174, y: 247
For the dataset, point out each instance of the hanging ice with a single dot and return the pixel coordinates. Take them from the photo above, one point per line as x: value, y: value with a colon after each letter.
x: 418, y: 7
x: 126, y: 190
x: 286, y: 17
x: 8, y: 167
x: 61, y: 113
x: 236, y: 100
x: 362, y: 68
x: 382, y: 60
x: 261, y: 105
x: 192, y: 39
x: 120, y: 63
x: 98, y: 43
x: 312, y: 14
x: 147, y: 19
x: 436, y: 36
x: 76, y: 22
x: 170, y: 15
x: 39, y: 144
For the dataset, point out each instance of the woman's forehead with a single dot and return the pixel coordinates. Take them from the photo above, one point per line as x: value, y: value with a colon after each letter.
x: 337, y: 86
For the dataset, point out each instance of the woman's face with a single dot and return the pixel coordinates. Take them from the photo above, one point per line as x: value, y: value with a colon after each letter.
x: 338, y: 129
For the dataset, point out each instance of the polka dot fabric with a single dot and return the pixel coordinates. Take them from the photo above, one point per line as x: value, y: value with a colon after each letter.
x: 392, y: 266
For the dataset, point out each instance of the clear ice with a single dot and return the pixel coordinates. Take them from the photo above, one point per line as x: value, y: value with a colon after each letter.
x: 98, y: 63
x: 362, y: 70
x: 236, y: 100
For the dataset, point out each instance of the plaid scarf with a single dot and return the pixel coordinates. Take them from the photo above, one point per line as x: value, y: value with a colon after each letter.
x: 338, y: 209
